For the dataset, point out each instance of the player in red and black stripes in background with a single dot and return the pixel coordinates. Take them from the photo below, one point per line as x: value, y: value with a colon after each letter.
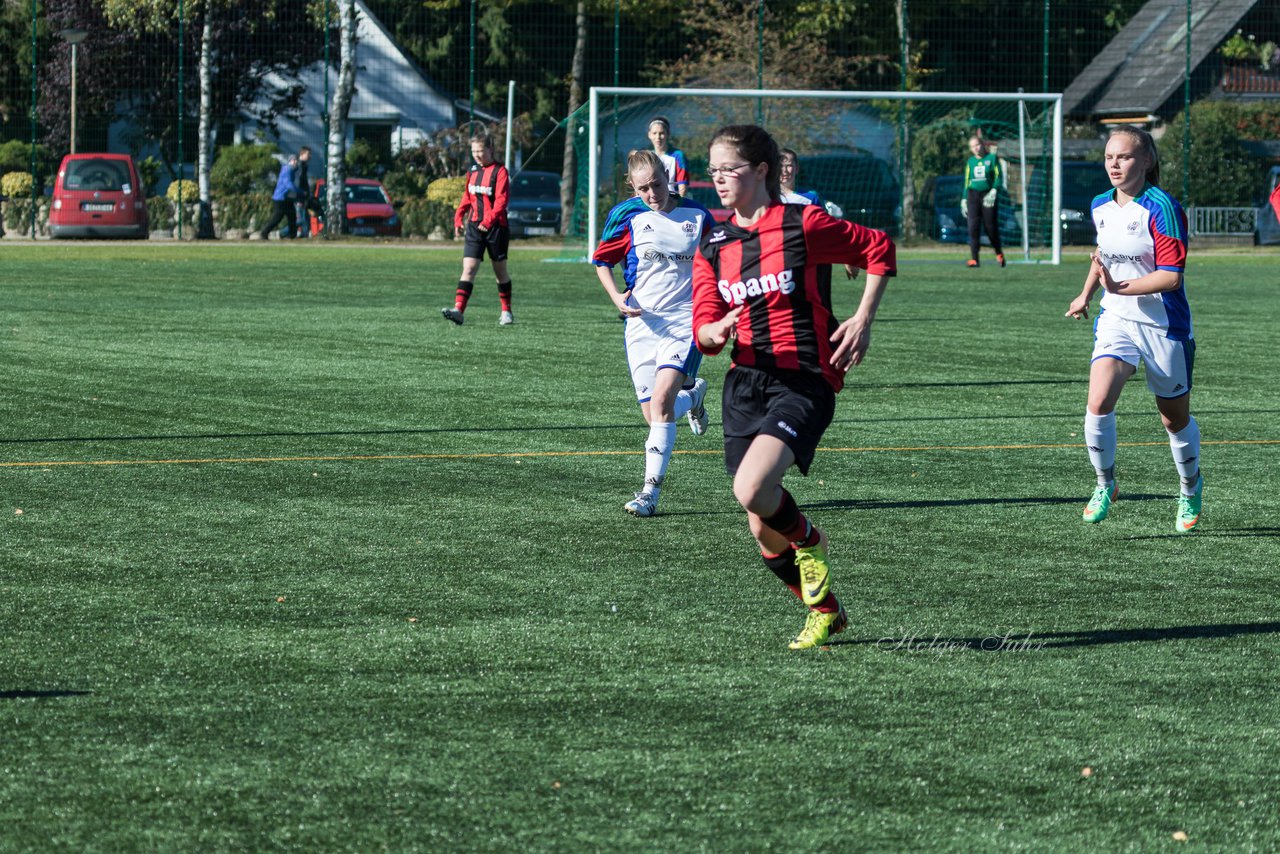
x: 483, y: 214
x: 762, y: 280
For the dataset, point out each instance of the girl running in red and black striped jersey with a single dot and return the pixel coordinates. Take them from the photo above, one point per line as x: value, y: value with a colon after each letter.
x: 763, y: 281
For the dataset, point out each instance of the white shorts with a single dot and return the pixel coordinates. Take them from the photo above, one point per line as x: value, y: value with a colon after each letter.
x: 654, y: 343
x: 1168, y: 362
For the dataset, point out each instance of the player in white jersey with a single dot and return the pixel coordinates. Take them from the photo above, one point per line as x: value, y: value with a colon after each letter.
x: 1143, y: 318
x: 673, y: 161
x: 655, y: 235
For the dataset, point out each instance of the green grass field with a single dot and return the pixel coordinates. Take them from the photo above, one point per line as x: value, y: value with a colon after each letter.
x: 299, y: 566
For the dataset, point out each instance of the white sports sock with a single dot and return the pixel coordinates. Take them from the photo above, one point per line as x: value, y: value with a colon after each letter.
x: 657, y: 456
x: 684, y: 402
x: 1100, y: 438
x: 1185, y: 445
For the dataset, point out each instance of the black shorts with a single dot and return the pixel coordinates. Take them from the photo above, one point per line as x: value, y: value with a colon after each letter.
x: 495, y: 240
x: 795, y: 407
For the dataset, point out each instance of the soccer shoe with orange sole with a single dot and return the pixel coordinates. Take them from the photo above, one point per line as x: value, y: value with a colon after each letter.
x: 1100, y: 503
x: 818, y: 627
x: 1189, y: 509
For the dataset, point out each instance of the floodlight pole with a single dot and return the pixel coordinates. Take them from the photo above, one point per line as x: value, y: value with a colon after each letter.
x: 73, y: 36
x: 511, y: 115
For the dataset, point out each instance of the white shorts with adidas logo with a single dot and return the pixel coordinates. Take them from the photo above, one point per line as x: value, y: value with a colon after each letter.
x: 1168, y: 362
x: 655, y: 342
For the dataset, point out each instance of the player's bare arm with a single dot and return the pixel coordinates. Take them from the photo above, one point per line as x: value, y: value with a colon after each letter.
x: 619, y: 300
x: 852, y: 338
x: 1079, y: 308
x: 1155, y: 282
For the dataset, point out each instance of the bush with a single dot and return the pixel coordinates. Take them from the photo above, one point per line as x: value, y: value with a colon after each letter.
x: 422, y: 218
x: 149, y: 169
x: 244, y: 211
x: 242, y: 169
x: 940, y: 148
x: 447, y: 190
x: 362, y: 161
x: 405, y: 185
x: 15, y: 156
x: 17, y: 216
x: 16, y: 185
x: 159, y: 214
x: 1223, y: 173
x: 189, y: 189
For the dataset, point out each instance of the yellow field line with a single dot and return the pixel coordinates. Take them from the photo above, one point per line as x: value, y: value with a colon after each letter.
x: 536, y: 454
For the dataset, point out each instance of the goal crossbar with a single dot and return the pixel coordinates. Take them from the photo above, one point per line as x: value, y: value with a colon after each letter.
x: 1054, y: 99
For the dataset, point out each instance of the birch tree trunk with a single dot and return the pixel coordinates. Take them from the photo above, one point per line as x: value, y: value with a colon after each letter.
x: 204, y: 230
x: 908, y: 181
x: 335, y: 217
x: 568, y: 183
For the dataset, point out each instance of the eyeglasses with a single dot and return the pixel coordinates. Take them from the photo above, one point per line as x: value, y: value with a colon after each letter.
x: 727, y: 171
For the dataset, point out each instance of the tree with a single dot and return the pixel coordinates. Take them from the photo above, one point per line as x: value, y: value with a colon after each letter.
x: 569, y: 165
x: 336, y: 177
x: 129, y: 64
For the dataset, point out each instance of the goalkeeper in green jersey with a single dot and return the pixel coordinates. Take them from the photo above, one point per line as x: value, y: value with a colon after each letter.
x: 982, y: 182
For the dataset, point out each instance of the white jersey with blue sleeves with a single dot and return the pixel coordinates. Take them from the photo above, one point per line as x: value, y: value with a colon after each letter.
x: 656, y: 250
x: 1145, y: 235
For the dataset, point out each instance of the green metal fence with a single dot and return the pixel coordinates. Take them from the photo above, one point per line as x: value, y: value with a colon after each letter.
x: 265, y: 72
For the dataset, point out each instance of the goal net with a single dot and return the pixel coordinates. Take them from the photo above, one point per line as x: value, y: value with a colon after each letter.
x: 888, y: 160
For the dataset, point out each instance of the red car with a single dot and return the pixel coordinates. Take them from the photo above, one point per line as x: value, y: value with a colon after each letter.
x: 98, y: 195
x: 704, y: 193
x: 370, y: 211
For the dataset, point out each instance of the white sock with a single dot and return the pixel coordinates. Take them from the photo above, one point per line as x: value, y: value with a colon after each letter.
x: 657, y: 456
x: 684, y: 402
x: 1185, y: 445
x: 1100, y: 438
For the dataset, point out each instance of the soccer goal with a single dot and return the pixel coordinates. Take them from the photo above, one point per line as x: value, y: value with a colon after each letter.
x: 888, y: 160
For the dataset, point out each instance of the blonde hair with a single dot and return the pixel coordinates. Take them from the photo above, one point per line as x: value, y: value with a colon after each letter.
x: 646, y: 159
x: 1147, y: 145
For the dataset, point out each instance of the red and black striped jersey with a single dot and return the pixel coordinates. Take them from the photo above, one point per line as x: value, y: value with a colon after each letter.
x: 484, y: 199
x: 779, y: 269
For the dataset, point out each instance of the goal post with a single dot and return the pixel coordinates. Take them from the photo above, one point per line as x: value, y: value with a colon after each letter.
x: 865, y: 146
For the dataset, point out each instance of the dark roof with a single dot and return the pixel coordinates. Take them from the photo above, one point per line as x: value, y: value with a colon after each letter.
x: 1146, y: 63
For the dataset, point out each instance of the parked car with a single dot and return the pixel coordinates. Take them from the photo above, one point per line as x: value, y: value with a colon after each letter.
x: 98, y: 195
x: 1082, y: 181
x: 942, y: 203
x: 370, y: 211
x: 704, y: 193
x: 862, y: 186
x: 534, y: 207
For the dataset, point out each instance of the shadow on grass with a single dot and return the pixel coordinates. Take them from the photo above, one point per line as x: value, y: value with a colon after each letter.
x: 27, y: 695
x: 963, y: 502
x: 1023, y: 641
x: 1229, y: 533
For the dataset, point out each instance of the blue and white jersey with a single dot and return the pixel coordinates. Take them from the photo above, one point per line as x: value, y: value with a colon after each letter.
x: 656, y: 250
x: 1147, y: 234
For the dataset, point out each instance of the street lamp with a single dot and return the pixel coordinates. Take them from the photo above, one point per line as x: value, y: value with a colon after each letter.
x: 73, y: 36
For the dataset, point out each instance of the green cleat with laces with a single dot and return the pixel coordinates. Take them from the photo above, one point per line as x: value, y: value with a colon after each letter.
x: 1100, y: 504
x: 1189, y: 509
x: 818, y: 627
x: 815, y: 571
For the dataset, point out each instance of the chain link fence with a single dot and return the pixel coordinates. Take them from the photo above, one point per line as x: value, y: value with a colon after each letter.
x: 218, y: 92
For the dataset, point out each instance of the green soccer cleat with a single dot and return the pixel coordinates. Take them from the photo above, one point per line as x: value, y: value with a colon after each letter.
x: 815, y: 572
x: 818, y: 627
x: 1189, y: 509
x: 1100, y: 504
